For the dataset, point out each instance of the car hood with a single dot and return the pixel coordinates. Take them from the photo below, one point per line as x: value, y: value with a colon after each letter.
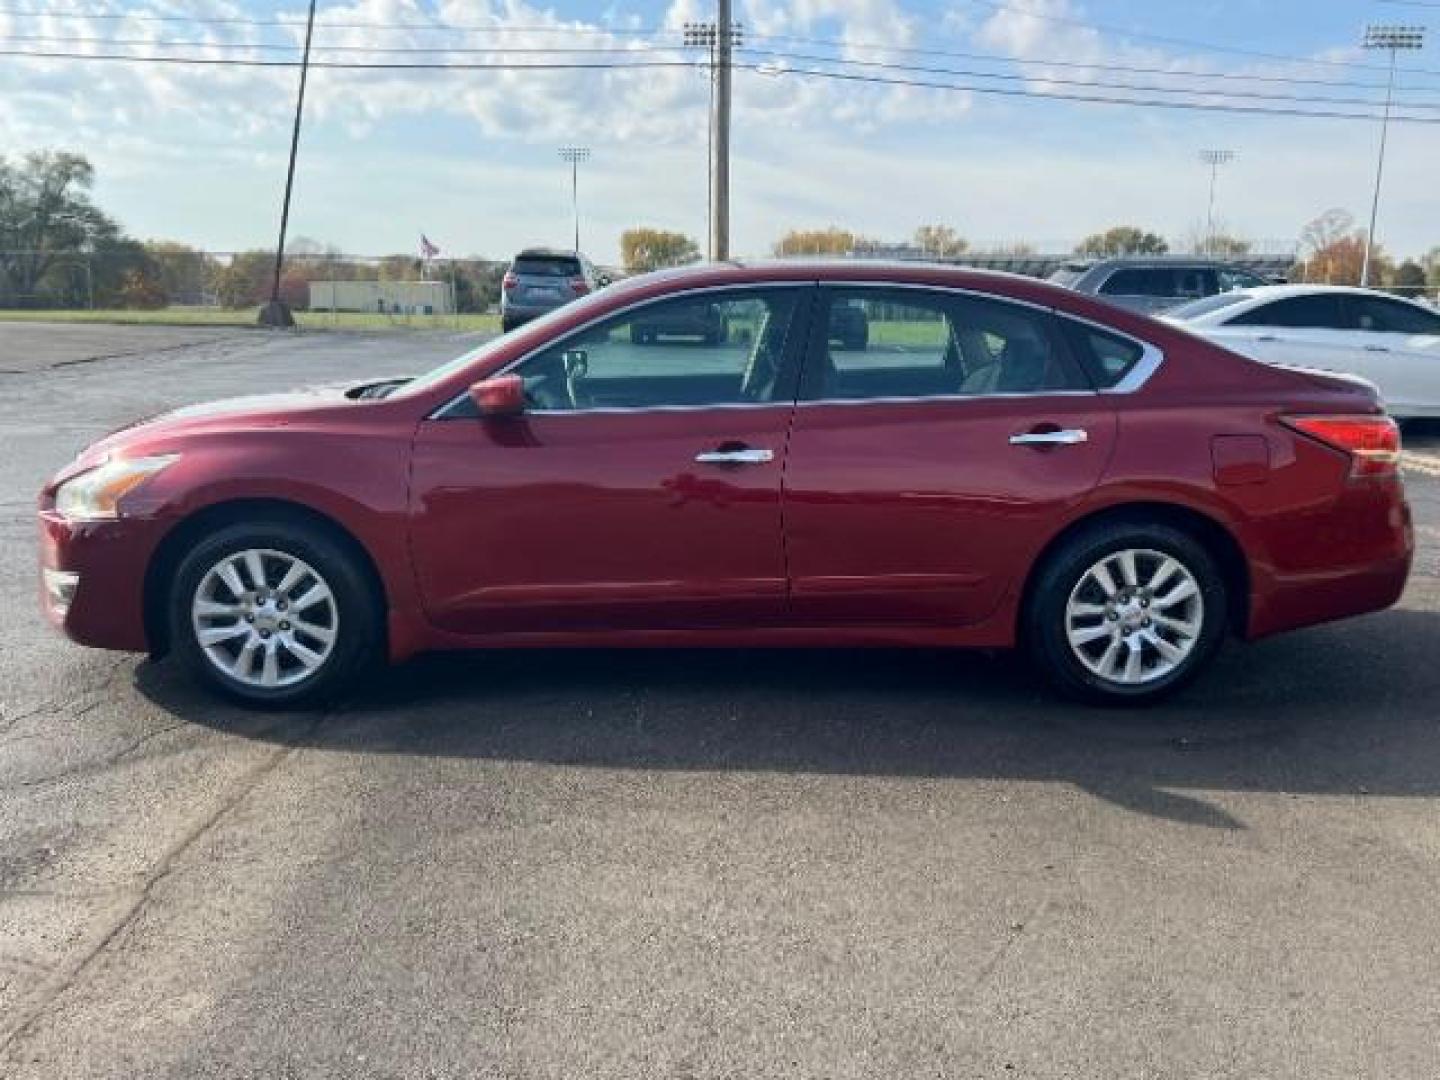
x: 251, y: 411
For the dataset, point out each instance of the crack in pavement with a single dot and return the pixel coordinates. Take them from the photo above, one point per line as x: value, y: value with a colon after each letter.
x: 22, y: 1021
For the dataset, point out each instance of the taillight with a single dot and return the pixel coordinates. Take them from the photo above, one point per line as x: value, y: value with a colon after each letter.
x: 509, y: 281
x: 1373, y: 442
x: 579, y: 286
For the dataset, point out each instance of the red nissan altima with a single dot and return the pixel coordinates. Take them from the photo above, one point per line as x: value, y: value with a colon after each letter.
x: 827, y: 454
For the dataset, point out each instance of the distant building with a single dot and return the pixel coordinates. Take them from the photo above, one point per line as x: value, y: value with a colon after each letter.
x: 385, y: 297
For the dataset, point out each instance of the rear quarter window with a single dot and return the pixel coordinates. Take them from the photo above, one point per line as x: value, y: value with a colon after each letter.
x: 1106, y: 358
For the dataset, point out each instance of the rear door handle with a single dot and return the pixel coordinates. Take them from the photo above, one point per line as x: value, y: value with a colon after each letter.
x: 1267, y: 337
x: 1377, y: 348
x: 1066, y: 437
x: 745, y: 456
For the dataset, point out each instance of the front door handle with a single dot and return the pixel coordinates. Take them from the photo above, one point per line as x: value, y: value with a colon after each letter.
x: 1067, y: 437
x: 739, y: 456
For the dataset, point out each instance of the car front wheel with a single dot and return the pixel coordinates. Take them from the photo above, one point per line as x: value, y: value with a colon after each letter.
x: 1126, y: 613
x: 274, y: 614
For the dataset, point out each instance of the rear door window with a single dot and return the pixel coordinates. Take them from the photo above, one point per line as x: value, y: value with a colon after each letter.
x: 559, y: 266
x: 1393, y: 317
x: 1318, y: 311
x: 910, y: 343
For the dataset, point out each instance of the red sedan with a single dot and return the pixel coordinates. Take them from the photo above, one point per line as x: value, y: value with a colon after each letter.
x: 996, y: 461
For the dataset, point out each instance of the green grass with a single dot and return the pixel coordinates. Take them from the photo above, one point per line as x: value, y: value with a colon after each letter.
x: 308, y: 320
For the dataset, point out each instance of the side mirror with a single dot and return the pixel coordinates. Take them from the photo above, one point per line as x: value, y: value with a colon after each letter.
x: 503, y: 395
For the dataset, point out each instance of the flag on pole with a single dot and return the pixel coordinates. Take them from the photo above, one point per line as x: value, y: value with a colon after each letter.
x: 427, y: 249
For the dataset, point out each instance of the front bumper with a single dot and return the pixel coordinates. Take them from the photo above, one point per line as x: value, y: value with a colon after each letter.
x: 92, y: 578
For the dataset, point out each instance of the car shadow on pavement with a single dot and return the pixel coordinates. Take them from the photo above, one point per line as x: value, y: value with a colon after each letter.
x: 1347, y: 709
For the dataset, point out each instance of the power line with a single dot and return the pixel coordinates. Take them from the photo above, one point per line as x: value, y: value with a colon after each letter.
x: 236, y: 61
x: 1187, y: 43
x: 767, y: 69
x: 1129, y: 69
x: 382, y: 49
x: 1003, y: 91
x: 222, y: 20
x: 1191, y: 91
x: 1059, y: 81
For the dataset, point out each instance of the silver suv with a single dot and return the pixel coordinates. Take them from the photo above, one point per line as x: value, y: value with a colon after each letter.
x: 541, y: 280
x: 1151, y: 285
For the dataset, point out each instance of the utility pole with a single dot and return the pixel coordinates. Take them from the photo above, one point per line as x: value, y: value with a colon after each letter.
x: 720, y: 39
x: 1392, y: 39
x: 1213, y: 158
x: 277, y: 312
x: 574, y: 155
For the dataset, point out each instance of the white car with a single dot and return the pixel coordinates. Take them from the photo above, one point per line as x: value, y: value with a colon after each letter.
x: 1393, y: 343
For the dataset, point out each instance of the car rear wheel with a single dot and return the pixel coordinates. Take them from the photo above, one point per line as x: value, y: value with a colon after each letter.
x: 274, y: 614
x: 1127, y: 613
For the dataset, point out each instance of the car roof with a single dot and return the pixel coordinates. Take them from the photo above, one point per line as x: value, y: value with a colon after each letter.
x: 1094, y: 262
x: 548, y: 253
x: 1278, y: 292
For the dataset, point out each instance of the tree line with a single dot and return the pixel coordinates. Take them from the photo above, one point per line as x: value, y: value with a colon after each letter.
x: 59, y: 249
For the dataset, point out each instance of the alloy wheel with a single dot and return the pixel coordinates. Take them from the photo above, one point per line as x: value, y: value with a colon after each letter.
x: 265, y: 618
x: 1135, y: 616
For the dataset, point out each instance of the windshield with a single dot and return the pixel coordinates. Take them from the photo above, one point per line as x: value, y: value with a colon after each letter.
x: 557, y: 316
x: 1195, y: 308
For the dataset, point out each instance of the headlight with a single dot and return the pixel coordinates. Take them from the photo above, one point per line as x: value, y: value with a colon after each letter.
x: 95, y: 495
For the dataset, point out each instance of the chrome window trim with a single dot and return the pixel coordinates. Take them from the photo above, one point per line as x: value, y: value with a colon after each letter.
x: 440, y: 412
x: 1151, y: 356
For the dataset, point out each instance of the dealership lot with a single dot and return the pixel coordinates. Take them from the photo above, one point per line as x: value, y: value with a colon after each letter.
x: 707, y: 864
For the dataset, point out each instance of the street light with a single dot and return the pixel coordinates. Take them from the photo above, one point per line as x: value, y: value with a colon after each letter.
x: 574, y: 155
x: 1392, y: 39
x: 1213, y: 158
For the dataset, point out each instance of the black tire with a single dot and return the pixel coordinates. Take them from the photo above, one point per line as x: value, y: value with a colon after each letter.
x: 1046, y: 621
x: 357, y: 611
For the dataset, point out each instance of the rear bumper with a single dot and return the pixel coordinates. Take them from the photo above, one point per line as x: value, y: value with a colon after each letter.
x: 1351, y: 561
x: 100, y: 567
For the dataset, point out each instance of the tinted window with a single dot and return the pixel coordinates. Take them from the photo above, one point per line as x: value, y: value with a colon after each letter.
x: 548, y: 266
x: 1196, y: 308
x: 1106, y: 358
x: 1393, y: 317
x: 720, y: 349
x: 1232, y: 278
x: 1140, y: 281
x: 1318, y: 311
x: 1162, y: 281
x: 883, y: 343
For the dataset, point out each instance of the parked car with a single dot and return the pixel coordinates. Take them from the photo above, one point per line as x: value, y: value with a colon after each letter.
x: 1008, y: 463
x: 1153, y: 284
x: 698, y: 320
x: 540, y: 280
x: 1395, y: 343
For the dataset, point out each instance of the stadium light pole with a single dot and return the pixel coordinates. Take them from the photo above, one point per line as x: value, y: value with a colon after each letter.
x: 277, y: 312
x: 1392, y: 39
x: 1213, y: 158
x: 574, y: 155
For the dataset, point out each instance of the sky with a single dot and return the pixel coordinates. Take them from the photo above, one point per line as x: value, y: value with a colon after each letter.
x: 469, y: 157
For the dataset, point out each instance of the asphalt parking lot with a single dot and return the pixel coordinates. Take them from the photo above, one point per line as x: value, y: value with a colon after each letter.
x: 724, y: 864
